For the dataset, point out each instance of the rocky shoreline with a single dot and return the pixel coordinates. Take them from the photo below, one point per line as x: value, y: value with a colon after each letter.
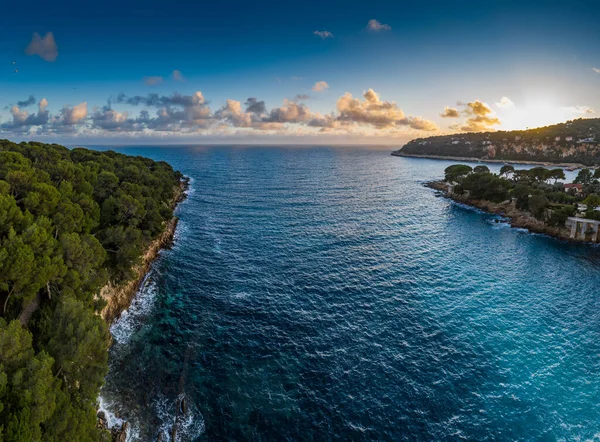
x: 119, y: 297
x: 518, y: 218
x: 399, y: 153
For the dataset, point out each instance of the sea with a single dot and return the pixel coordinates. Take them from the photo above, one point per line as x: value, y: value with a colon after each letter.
x: 324, y: 293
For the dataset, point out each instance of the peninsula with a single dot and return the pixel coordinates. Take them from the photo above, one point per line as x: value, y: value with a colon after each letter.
x: 534, y: 199
x: 78, y: 229
x: 575, y: 143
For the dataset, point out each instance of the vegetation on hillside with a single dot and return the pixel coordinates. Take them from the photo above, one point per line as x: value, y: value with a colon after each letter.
x: 536, y: 190
x: 70, y: 221
x: 576, y: 141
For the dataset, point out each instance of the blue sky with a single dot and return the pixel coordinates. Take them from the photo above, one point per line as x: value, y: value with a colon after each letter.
x: 386, y: 70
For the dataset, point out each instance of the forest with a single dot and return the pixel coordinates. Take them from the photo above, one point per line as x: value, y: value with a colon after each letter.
x: 71, y: 220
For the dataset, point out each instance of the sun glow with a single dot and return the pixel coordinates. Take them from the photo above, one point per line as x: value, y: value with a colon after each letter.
x: 539, y: 114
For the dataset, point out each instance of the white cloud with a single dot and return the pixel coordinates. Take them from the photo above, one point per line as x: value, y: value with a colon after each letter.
x: 73, y: 115
x: 481, y: 117
x: 505, y: 103
x: 185, y: 115
x: 376, y: 26
x: 450, y: 112
x: 579, y: 110
x: 44, y: 47
x: 375, y: 112
x: 320, y: 86
x: 323, y: 34
x: 596, y: 70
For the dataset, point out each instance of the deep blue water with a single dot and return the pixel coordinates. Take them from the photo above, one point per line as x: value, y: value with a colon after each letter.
x: 325, y: 294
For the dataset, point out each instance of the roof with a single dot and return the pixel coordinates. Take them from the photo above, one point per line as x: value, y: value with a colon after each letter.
x: 574, y: 185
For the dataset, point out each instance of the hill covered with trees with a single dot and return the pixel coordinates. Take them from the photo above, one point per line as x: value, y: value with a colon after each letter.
x: 70, y: 221
x: 576, y: 141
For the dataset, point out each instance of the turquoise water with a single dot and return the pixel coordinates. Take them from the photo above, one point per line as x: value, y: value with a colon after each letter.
x: 325, y: 294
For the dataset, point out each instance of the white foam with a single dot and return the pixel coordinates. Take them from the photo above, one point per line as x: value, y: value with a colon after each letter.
x: 189, y: 425
x: 115, y: 423
x: 132, y: 319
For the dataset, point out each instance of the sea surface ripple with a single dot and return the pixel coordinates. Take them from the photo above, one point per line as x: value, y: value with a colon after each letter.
x: 324, y: 294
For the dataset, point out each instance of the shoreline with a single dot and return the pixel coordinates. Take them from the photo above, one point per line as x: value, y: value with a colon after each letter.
x: 119, y: 298
x: 399, y: 153
x: 517, y: 218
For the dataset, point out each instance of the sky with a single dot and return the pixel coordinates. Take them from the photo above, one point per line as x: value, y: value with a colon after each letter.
x: 327, y: 72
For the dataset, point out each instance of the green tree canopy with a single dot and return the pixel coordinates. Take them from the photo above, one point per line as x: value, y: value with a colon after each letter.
x: 457, y: 171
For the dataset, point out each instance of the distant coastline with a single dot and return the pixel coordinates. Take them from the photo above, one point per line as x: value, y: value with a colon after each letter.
x: 399, y: 153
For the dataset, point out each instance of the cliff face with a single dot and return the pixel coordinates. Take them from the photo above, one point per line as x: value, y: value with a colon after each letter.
x: 575, y: 141
x: 118, y: 297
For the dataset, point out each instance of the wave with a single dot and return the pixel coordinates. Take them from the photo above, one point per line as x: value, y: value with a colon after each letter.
x: 189, y: 425
x: 132, y: 319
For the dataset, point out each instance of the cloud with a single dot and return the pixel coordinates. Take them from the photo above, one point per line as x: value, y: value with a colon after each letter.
x: 302, y: 97
x: 233, y: 113
x: 450, y: 112
x: 177, y: 75
x: 289, y: 112
x: 175, y: 112
x: 44, y: 47
x: 505, y: 103
x: 178, y: 114
x: 377, y: 113
x: 153, y: 81
x: 28, y: 102
x: 23, y: 121
x: 579, y: 109
x: 320, y: 86
x: 323, y: 34
x: 255, y: 106
x: 73, y: 115
x: 155, y: 100
x: 376, y: 26
x: 110, y: 120
x: 481, y: 117
x: 596, y: 70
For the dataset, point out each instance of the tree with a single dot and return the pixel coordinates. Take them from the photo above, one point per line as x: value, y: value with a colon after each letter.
x: 537, y: 204
x: 506, y: 170
x: 457, y: 171
x: 77, y: 339
x: 592, y: 201
x: 481, y: 169
x: 28, y: 393
x: 584, y: 176
x: 539, y: 174
x: 486, y: 186
x: 556, y: 174
x: 521, y: 176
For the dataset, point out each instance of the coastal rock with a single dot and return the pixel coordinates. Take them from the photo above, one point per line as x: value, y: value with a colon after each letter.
x: 120, y: 434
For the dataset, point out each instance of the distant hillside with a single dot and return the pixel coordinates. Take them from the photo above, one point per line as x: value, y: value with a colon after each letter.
x: 576, y: 141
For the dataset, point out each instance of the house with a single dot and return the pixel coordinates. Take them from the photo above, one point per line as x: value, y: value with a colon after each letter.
x: 569, y: 138
x: 586, y: 140
x: 573, y: 187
